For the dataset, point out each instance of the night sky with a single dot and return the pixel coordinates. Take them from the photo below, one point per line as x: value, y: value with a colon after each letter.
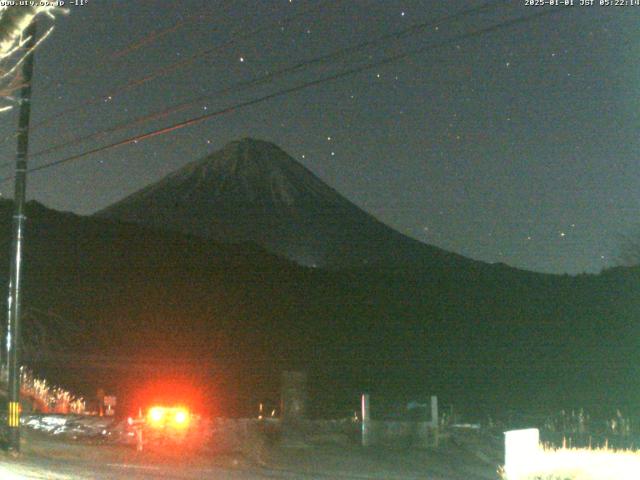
x: 516, y: 146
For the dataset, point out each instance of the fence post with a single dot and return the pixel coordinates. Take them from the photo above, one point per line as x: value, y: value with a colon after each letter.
x: 293, y: 407
x: 293, y: 396
x: 435, y: 421
x: 366, y: 420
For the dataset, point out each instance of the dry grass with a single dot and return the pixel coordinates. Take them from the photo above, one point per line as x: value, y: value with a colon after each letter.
x: 580, y: 464
x: 51, y: 398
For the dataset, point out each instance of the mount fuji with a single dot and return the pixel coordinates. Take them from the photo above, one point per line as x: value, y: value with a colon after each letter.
x: 251, y: 191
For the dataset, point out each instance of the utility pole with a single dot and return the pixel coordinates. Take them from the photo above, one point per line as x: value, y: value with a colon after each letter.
x: 14, y: 301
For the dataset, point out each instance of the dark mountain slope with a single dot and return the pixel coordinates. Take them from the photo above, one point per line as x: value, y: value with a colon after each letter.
x: 125, y: 305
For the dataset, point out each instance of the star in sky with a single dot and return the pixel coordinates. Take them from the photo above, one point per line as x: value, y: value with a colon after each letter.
x: 484, y: 131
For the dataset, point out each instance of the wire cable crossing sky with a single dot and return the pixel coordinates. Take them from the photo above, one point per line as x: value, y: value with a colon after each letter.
x: 503, y: 133
x: 193, y: 121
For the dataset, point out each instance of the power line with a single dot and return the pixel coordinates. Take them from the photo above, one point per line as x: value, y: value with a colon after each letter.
x: 133, y: 84
x: 155, y: 35
x: 119, y: 55
x: 394, y: 35
x: 121, y: 126
x: 270, y: 76
x: 286, y: 91
x: 148, y: 39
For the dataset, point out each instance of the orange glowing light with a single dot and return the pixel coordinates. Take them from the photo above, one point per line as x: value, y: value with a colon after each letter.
x: 181, y: 416
x: 156, y: 415
x: 168, y: 417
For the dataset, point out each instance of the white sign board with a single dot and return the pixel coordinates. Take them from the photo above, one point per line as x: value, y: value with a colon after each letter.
x: 521, y: 450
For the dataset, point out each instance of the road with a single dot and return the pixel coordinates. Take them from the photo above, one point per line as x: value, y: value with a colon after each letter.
x: 46, y: 469
x: 80, y: 470
x: 46, y: 457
